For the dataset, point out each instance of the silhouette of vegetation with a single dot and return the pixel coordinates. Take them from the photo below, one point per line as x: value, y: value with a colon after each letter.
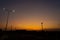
x: 29, y: 35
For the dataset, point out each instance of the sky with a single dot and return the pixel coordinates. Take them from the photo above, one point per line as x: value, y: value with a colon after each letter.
x: 30, y: 13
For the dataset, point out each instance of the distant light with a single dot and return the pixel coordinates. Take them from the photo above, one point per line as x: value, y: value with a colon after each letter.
x: 13, y: 10
x: 3, y: 9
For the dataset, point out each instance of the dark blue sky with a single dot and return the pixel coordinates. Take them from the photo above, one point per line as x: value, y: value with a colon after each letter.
x: 30, y: 12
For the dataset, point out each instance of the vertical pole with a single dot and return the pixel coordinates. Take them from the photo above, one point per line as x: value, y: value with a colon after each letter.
x: 15, y: 28
x: 11, y: 27
x: 42, y: 25
x: 7, y: 21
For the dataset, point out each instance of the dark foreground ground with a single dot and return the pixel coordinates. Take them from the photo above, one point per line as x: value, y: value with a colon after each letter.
x: 29, y: 35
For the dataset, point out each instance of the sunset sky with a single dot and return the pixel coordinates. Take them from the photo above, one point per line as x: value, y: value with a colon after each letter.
x: 30, y: 13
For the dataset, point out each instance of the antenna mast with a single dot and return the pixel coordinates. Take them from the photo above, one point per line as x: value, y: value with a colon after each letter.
x: 42, y: 25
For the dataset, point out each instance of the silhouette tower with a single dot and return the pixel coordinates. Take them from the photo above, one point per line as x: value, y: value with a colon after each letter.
x: 8, y: 13
x: 11, y: 27
x: 42, y: 25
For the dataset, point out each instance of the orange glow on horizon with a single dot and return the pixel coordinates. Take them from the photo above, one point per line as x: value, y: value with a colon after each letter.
x: 29, y: 27
x: 35, y: 25
x: 32, y: 24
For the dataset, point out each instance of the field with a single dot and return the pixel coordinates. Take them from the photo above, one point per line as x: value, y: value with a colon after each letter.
x: 29, y: 35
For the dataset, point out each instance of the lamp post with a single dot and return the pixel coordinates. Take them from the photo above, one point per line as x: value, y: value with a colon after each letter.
x: 8, y: 13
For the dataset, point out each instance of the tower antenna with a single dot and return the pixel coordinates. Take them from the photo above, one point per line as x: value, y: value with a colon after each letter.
x: 42, y: 25
x: 8, y: 14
